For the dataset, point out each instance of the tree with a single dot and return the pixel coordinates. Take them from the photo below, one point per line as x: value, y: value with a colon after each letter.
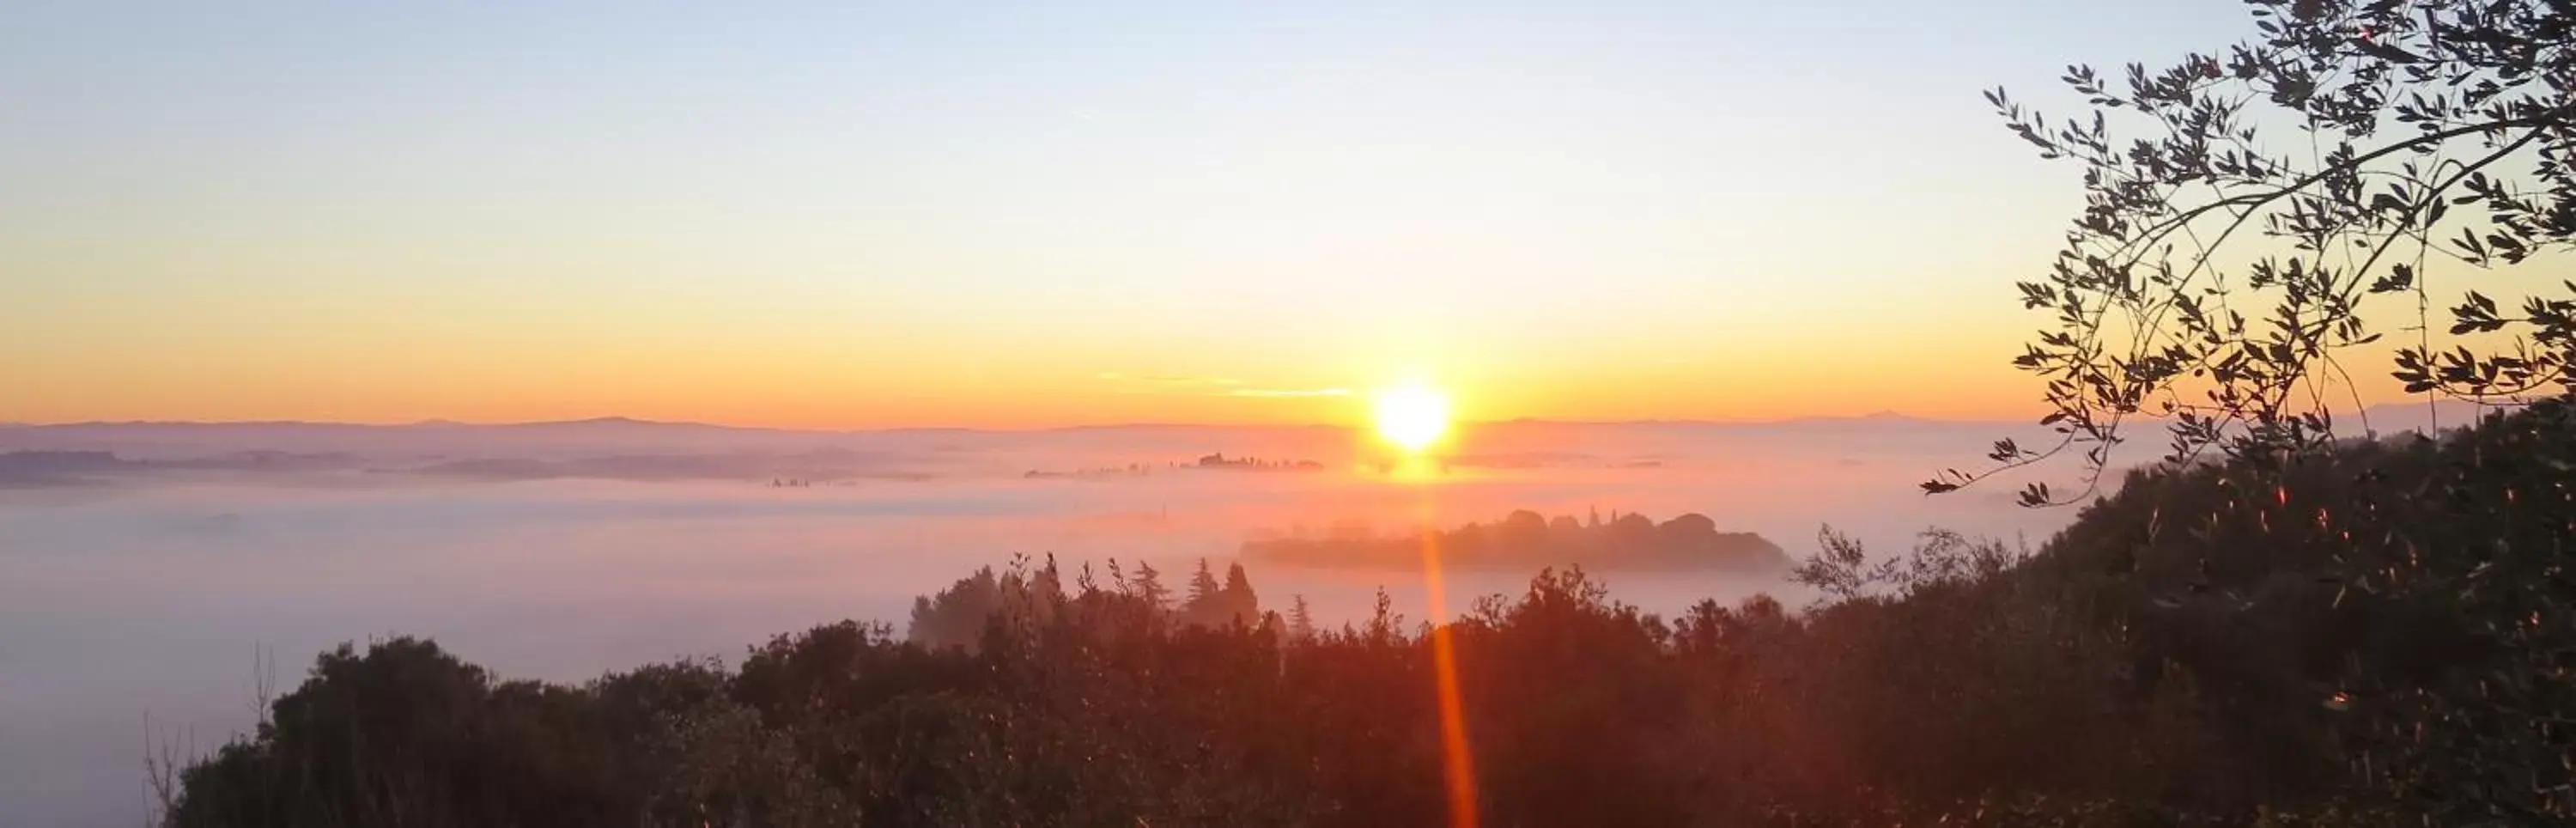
x: 2218, y: 277
x: 1238, y: 601
x: 1048, y: 582
x: 1201, y: 601
x: 1301, y: 621
x: 1148, y: 586
x: 2215, y: 277
x: 956, y: 615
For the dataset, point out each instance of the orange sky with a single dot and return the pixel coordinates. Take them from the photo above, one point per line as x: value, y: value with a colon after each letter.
x: 858, y: 217
x: 818, y: 388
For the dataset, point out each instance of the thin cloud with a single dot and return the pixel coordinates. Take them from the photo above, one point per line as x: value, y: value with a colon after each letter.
x: 1193, y: 385
x: 1186, y: 379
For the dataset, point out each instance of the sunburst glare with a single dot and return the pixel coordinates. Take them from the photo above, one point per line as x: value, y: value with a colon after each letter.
x: 1413, y: 417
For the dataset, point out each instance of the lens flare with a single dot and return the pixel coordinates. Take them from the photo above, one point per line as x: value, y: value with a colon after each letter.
x: 1458, y: 759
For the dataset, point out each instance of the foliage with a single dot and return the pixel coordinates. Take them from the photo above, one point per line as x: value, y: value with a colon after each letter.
x: 1841, y: 569
x: 2225, y: 255
x: 2418, y: 591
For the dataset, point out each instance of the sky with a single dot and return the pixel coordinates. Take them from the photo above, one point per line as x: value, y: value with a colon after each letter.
x: 859, y: 215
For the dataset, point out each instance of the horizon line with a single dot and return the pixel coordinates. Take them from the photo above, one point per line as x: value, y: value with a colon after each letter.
x: 441, y: 422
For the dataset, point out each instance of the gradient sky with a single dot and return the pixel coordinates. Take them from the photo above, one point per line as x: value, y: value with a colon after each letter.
x: 857, y: 215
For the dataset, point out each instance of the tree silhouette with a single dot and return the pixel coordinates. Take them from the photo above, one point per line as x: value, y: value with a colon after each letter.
x: 1147, y: 585
x: 2226, y: 252
x: 1238, y: 600
x: 2216, y: 278
x: 1202, y: 591
x: 1301, y: 620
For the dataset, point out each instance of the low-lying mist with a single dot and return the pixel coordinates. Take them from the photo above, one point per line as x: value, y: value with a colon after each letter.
x: 149, y: 594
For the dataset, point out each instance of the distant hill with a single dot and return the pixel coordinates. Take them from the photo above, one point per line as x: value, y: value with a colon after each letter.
x: 819, y: 465
x: 42, y: 469
x: 628, y: 448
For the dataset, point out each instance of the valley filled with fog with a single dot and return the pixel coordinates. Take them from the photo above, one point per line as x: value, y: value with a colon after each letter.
x: 143, y: 566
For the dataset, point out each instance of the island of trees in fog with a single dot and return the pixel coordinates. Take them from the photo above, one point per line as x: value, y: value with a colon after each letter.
x: 958, y: 616
x: 1526, y: 540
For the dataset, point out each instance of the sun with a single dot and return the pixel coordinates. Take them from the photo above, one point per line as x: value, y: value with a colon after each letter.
x: 1412, y: 416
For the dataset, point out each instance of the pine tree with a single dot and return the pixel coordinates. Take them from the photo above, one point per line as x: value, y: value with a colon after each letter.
x: 1237, y: 602
x: 1301, y: 621
x: 1384, y: 622
x: 1148, y: 585
x: 1201, y: 604
x: 1050, y: 582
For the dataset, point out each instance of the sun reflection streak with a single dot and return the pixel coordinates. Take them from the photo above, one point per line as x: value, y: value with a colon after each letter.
x: 1458, y: 762
x: 1416, y: 470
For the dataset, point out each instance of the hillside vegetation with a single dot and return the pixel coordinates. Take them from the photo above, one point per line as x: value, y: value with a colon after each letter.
x: 2378, y: 634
